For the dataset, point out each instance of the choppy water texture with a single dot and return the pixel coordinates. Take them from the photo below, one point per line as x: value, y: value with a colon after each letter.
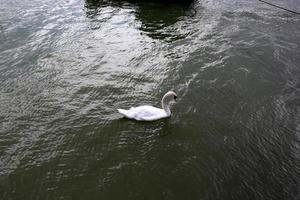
x: 66, y: 66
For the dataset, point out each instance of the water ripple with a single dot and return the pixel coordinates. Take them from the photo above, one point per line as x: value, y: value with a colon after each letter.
x: 66, y: 66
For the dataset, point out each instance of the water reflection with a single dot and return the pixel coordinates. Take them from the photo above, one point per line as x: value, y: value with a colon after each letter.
x: 156, y: 19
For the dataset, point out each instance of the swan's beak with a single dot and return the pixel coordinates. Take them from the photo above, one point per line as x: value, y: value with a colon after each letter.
x: 175, y: 98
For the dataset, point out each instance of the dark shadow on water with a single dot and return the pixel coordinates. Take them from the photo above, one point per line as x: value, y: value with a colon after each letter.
x: 157, y: 18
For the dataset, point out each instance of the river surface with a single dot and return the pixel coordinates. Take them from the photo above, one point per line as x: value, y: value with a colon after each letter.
x: 67, y: 65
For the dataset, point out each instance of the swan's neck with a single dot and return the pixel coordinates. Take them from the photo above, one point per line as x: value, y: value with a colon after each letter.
x: 165, y: 105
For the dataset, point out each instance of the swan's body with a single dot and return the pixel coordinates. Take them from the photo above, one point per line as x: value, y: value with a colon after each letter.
x: 144, y: 113
x: 150, y: 113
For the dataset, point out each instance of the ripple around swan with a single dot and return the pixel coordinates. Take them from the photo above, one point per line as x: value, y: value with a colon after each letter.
x: 65, y: 67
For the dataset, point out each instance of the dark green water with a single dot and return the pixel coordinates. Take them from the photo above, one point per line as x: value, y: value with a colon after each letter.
x: 66, y: 66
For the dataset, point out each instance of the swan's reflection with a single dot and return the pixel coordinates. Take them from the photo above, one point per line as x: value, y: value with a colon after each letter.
x: 157, y: 20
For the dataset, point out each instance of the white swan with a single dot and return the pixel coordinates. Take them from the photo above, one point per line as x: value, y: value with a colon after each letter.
x: 150, y: 113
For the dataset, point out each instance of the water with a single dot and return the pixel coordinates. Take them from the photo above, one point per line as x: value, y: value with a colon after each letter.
x: 66, y: 66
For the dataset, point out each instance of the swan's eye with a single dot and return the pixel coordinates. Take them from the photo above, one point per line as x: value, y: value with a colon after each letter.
x: 175, y: 98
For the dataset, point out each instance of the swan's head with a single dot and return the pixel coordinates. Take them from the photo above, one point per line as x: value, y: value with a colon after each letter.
x: 171, y: 94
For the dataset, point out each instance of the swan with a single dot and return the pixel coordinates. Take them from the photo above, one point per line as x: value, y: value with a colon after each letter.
x: 150, y: 113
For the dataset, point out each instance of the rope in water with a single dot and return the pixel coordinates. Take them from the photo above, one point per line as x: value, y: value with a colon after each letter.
x: 280, y: 7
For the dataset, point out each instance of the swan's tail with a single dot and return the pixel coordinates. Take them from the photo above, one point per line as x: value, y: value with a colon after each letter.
x: 123, y: 112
